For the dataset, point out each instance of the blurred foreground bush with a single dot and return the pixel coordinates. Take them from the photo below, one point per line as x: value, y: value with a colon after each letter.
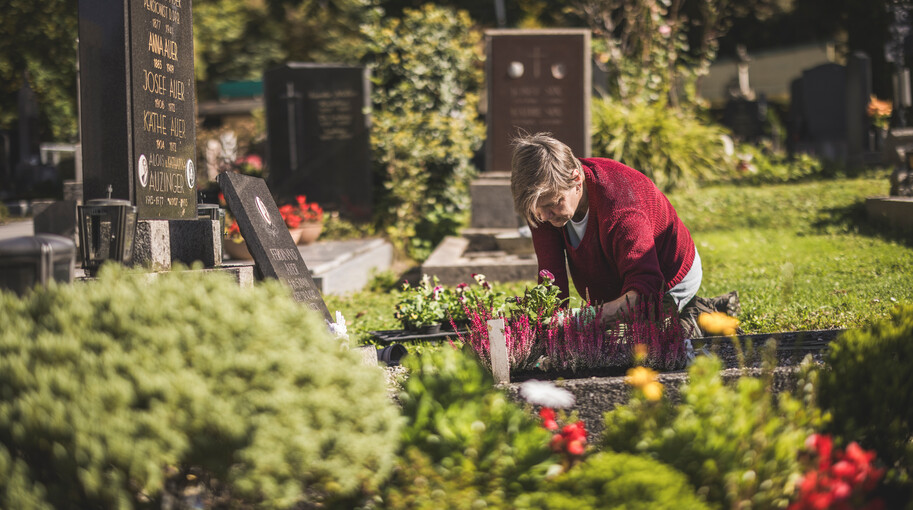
x: 465, y: 444
x: 868, y: 388
x: 737, y: 444
x: 106, y: 386
x: 621, y: 481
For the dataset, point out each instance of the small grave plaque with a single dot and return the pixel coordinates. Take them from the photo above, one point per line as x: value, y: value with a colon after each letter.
x: 138, y: 115
x: 319, y: 135
x: 538, y: 80
x: 268, y: 238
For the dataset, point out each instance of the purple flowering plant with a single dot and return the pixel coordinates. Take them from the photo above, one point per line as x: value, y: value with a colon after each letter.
x: 541, y: 335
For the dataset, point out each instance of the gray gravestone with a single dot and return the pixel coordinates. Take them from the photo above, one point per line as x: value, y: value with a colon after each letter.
x: 267, y: 237
x: 319, y: 136
x: 824, y: 100
x: 137, y: 104
x: 538, y: 80
x: 858, y: 93
x: 57, y: 218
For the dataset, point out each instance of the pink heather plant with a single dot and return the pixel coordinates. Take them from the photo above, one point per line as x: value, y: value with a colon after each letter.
x: 576, y: 340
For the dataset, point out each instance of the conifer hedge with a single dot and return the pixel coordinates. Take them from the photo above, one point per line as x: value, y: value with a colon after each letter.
x: 108, y: 386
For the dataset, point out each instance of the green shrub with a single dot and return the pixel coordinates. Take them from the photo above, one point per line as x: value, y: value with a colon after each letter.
x: 464, y: 443
x: 426, y: 75
x: 756, y: 165
x: 621, y: 481
x: 107, y: 386
x: 868, y: 389
x: 736, y: 444
x: 671, y: 146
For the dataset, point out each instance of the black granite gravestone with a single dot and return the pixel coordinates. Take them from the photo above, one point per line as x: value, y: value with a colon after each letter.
x: 745, y: 118
x: 318, y: 135
x: 538, y: 80
x: 268, y: 238
x: 137, y: 112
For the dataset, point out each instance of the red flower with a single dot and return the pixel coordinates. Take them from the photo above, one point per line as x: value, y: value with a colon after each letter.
x: 548, y: 419
x: 841, y: 485
x: 300, y: 211
x: 571, y: 439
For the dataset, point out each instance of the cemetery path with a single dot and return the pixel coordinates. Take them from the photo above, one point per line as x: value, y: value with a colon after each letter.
x: 17, y: 229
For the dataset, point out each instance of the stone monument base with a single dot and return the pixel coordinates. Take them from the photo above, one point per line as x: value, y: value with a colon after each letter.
x: 160, y: 243
x: 454, y: 261
x: 893, y: 211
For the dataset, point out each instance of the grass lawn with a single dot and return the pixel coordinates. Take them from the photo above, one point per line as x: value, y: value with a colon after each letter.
x: 802, y: 256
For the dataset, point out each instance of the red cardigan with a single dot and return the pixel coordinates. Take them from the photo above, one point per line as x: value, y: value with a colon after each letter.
x: 634, y: 240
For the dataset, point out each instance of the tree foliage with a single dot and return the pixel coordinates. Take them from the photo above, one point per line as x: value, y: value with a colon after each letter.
x: 40, y: 39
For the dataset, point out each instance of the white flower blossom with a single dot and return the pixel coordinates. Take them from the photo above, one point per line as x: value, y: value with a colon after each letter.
x: 546, y: 394
x: 338, y: 328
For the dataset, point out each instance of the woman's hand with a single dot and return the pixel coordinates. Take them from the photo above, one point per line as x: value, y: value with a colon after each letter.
x: 621, y: 308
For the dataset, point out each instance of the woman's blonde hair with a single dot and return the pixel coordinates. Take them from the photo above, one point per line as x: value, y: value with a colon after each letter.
x: 541, y: 166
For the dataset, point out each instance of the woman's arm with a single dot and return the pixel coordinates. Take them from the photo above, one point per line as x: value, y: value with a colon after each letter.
x: 619, y: 308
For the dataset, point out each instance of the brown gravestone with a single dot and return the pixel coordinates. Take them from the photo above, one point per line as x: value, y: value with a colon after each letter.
x: 268, y: 239
x: 137, y: 104
x: 538, y: 81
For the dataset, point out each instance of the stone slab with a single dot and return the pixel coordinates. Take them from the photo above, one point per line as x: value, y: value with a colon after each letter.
x: 138, y: 115
x: 492, y: 202
x: 537, y: 80
x: 453, y: 263
x: 58, y: 218
x: 339, y: 267
x: 893, y: 211
x: 319, y: 135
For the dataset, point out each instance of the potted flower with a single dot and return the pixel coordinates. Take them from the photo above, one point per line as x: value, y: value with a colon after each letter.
x: 232, y: 241
x: 304, y: 220
x: 540, y: 302
x: 421, y: 308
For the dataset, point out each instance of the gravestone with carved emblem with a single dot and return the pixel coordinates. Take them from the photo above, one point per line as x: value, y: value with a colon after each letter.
x: 137, y: 110
x: 268, y: 239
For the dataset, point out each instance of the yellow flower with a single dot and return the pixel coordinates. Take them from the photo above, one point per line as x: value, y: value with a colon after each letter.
x: 640, y: 377
x: 653, y: 390
x: 718, y: 323
x: 640, y: 353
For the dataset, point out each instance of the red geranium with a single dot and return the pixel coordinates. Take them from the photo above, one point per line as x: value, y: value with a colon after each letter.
x: 838, y: 485
x: 301, y: 210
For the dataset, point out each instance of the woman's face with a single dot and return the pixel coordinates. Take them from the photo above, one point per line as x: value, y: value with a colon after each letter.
x: 559, y: 208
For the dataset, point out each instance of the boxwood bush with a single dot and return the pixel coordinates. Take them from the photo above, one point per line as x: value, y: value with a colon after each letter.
x: 109, y: 386
x: 619, y: 481
x: 868, y: 389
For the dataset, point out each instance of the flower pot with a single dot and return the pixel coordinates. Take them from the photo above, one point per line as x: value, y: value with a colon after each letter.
x: 296, y: 234
x: 309, y: 231
x: 427, y: 329
x: 236, y: 250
